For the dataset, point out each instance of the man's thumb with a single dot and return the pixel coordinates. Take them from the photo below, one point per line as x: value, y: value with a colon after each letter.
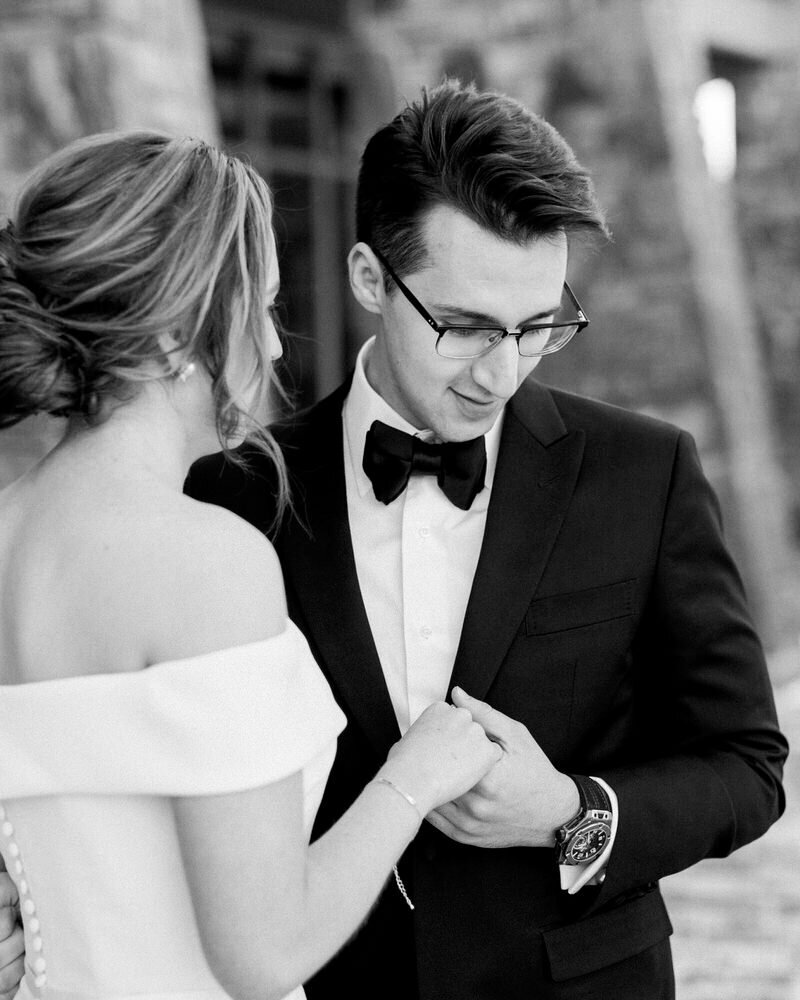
x: 486, y: 716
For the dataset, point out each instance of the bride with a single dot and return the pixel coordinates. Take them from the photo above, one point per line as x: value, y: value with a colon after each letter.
x: 164, y: 731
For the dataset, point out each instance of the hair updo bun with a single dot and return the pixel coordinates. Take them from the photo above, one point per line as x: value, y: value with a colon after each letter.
x: 40, y: 363
x: 124, y: 244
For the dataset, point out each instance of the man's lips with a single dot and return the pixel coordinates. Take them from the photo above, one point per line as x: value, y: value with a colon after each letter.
x: 480, y: 403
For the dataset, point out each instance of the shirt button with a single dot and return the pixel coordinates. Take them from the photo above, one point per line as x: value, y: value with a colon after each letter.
x: 424, y: 532
x: 426, y: 631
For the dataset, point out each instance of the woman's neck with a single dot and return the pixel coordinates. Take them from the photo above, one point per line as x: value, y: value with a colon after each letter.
x: 146, y: 438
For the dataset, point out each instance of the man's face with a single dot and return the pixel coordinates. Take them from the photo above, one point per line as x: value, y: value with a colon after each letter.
x: 472, y: 277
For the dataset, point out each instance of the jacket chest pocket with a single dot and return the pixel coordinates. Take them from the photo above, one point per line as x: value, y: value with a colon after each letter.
x: 581, y: 609
x: 569, y: 667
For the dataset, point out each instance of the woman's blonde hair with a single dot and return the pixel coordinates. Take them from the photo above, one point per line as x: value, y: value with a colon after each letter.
x: 120, y: 238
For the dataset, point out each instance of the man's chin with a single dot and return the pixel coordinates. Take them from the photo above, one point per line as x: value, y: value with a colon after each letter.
x: 467, y: 430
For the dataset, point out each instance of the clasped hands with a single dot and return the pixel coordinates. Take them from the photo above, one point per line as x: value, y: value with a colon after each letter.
x: 520, y: 802
x: 12, y: 948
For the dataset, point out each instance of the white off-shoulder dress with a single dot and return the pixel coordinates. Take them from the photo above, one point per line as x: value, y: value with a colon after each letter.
x: 87, y: 769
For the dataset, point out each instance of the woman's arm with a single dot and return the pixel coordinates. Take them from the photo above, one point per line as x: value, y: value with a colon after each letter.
x: 270, y: 909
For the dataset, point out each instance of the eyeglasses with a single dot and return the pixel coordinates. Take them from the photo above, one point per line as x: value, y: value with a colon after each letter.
x: 533, y: 339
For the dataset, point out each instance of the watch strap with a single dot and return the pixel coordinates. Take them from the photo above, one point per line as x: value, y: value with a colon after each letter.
x: 592, y: 794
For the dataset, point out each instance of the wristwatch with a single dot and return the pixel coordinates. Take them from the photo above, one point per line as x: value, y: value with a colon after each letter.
x: 585, y: 836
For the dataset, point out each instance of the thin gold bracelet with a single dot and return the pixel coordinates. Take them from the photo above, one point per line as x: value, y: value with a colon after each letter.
x: 409, y: 798
x: 412, y: 802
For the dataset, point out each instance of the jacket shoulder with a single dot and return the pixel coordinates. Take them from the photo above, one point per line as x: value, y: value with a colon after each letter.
x: 621, y: 434
x: 247, y: 484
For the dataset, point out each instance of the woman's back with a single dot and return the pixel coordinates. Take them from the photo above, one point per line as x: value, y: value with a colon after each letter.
x: 68, y: 566
x: 98, y: 732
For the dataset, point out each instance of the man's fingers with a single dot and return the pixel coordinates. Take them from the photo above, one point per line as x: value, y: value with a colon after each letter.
x: 443, y: 825
x: 448, y: 812
x: 497, y: 725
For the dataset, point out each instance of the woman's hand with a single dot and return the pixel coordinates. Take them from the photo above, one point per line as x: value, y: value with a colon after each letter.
x: 12, y: 948
x: 442, y: 756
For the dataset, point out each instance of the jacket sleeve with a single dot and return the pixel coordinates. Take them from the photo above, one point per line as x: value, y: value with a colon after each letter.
x: 709, y: 780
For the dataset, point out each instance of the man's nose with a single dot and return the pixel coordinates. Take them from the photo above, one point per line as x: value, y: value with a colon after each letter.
x: 498, y: 371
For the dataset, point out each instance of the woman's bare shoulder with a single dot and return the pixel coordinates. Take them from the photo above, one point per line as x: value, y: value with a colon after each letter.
x: 209, y: 580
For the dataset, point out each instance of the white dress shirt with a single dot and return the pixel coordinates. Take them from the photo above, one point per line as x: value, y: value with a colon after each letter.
x: 415, y: 559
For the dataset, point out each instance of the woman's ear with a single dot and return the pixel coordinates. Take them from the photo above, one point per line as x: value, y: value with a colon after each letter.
x: 366, y: 278
x: 173, y: 349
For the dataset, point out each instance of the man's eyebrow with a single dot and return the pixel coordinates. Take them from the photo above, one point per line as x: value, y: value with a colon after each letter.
x: 443, y: 309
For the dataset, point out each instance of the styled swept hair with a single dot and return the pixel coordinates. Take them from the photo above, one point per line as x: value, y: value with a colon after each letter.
x: 480, y: 153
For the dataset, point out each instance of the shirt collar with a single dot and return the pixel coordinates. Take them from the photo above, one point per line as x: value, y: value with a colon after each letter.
x: 364, y: 405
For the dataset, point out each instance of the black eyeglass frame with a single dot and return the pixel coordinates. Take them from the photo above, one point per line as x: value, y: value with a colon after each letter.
x: 441, y: 328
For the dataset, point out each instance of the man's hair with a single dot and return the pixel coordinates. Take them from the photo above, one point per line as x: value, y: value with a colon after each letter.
x: 480, y: 153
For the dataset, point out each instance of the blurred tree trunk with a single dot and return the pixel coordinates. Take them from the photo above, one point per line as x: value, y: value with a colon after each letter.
x: 708, y: 215
x: 72, y: 67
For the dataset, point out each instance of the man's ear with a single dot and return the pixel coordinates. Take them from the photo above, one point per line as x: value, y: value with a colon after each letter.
x: 366, y: 278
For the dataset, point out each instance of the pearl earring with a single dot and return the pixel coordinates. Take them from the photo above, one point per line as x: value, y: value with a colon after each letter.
x: 185, y: 372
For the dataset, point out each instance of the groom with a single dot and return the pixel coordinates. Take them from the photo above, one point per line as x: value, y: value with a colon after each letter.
x: 459, y: 523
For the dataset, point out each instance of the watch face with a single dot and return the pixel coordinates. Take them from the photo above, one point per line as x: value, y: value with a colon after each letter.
x: 588, y: 843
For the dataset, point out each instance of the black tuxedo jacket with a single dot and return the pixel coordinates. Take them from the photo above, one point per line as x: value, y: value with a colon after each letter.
x: 607, y: 615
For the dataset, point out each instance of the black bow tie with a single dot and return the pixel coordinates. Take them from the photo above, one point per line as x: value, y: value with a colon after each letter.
x: 390, y: 456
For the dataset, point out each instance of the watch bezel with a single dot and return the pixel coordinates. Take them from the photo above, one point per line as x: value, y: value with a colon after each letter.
x: 577, y: 856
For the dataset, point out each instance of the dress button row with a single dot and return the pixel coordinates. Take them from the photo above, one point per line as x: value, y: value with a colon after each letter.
x: 39, y: 966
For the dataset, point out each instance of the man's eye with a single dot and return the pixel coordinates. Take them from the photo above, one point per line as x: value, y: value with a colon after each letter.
x: 472, y: 332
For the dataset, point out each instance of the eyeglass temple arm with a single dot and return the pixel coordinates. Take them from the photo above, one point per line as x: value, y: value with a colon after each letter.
x: 582, y: 317
x: 437, y: 327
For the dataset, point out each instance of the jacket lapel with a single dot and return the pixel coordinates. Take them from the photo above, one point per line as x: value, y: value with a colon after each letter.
x: 537, y: 469
x: 317, y: 557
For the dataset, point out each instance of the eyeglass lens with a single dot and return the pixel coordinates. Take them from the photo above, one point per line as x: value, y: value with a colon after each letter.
x: 471, y: 341
x: 465, y: 342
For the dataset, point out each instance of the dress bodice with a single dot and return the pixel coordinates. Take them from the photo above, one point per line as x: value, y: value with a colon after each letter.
x: 87, y: 769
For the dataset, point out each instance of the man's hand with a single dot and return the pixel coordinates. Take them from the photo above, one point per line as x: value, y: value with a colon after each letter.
x: 521, y: 802
x: 12, y: 949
